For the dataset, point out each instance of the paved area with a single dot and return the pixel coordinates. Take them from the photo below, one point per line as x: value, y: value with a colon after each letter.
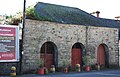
x: 110, y: 73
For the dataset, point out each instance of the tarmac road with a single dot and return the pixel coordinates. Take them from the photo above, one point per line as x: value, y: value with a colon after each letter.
x: 108, y: 73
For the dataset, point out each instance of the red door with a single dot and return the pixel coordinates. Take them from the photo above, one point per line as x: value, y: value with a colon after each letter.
x: 76, y: 57
x: 48, y: 60
x: 101, y: 55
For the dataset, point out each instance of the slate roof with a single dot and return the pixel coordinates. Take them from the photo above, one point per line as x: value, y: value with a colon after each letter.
x: 71, y: 15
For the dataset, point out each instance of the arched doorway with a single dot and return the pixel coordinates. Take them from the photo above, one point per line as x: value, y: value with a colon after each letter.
x: 49, y: 54
x: 103, y: 55
x: 78, y: 53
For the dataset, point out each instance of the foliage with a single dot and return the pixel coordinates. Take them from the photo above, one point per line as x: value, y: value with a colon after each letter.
x: 11, y: 19
x: 46, y: 70
x: 87, y: 60
x: 15, y: 21
x: 41, y: 63
x: 93, y: 67
x: 30, y: 12
x: 65, y: 63
x: 30, y: 71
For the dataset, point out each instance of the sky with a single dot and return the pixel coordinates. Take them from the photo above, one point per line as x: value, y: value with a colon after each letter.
x: 108, y: 8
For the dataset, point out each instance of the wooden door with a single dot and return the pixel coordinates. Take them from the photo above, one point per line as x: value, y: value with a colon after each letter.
x: 76, y: 57
x: 101, y: 55
x: 48, y: 60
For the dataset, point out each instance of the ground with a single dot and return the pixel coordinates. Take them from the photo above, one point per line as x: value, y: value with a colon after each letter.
x: 108, y: 73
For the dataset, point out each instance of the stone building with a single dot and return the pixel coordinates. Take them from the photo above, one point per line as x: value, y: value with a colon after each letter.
x: 72, y: 37
x: 61, y: 35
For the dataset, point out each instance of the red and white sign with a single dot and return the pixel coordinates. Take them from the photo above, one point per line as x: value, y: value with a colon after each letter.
x: 7, y: 55
x: 9, y: 43
x: 7, y: 31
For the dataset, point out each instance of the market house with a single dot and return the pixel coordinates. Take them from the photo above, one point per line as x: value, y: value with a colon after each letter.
x: 67, y: 36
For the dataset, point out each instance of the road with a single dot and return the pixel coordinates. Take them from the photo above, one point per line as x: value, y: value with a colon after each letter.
x: 110, y: 73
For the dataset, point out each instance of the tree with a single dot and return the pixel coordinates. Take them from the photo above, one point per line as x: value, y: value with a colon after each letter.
x: 30, y: 12
x: 15, y: 19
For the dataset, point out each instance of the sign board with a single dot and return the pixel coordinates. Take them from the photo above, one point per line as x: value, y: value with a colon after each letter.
x: 9, y: 43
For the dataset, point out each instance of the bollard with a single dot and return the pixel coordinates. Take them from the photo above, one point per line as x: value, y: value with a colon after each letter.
x: 13, y: 71
x: 98, y: 67
x: 52, y: 69
x: 66, y: 70
x: 77, y: 67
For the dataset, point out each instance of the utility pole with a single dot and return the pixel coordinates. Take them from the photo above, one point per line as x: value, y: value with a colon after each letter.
x: 23, y: 29
x: 24, y: 15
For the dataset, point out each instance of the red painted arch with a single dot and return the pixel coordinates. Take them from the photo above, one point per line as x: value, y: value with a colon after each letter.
x: 101, y: 54
x: 47, y: 54
x: 76, y: 56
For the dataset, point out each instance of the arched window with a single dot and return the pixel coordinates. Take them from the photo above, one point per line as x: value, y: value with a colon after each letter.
x: 49, y: 54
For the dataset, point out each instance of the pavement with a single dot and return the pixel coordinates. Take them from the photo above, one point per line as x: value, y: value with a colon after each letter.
x: 107, y: 73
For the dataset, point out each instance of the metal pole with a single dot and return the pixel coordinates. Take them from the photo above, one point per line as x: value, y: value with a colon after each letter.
x: 86, y: 53
x: 23, y: 26
x: 24, y: 17
x: 118, y: 48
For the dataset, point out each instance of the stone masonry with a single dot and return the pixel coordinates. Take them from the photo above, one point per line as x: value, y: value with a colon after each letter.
x: 64, y: 36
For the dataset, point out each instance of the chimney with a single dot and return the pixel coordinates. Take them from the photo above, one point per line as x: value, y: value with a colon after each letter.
x: 118, y: 17
x: 97, y: 12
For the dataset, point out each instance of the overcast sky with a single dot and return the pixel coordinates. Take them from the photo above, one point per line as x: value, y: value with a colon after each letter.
x: 108, y: 8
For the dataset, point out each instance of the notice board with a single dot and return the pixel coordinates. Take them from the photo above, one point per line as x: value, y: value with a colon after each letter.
x: 9, y: 43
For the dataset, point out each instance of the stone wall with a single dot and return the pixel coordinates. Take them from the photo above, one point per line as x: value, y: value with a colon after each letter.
x: 5, y: 68
x: 64, y: 36
x: 108, y: 36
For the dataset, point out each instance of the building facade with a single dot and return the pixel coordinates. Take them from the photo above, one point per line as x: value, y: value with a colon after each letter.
x: 60, y: 44
x: 65, y: 36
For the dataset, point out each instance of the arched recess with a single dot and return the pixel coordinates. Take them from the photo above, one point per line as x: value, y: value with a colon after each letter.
x: 78, y: 54
x: 49, y: 54
x: 103, y: 55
